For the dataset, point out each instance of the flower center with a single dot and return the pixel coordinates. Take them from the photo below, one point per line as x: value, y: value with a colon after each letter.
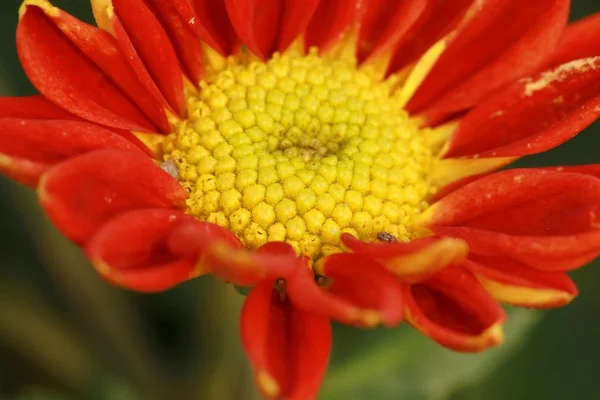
x: 300, y: 149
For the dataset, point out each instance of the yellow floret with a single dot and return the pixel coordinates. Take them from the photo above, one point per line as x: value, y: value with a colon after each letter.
x: 300, y: 149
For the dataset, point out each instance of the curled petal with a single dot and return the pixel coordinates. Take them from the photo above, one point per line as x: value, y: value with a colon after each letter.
x: 512, y: 283
x: 77, y: 84
x: 47, y: 142
x: 82, y: 193
x: 413, y: 261
x: 288, y: 347
x: 454, y: 309
x: 533, y: 115
x: 23, y: 171
x: 232, y: 263
x: 194, y: 237
x: 329, y: 22
x: 358, y: 291
x: 266, y: 26
x: 503, y: 40
x: 383, y: 23
x: 131, y: 250
x: 545, y: 253
x: 580, y: 39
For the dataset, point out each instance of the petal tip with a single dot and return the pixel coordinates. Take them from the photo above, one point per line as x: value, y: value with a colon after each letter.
x: 267, y: 384
x: 45, y: 5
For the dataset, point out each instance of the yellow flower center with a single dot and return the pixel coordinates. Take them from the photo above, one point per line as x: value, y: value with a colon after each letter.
x: 300, y: 149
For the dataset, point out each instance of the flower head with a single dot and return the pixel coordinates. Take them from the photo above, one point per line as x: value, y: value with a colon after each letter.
x: 337, y: 157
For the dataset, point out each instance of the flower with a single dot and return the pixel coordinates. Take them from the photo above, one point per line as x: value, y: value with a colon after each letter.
x: 337, y: 156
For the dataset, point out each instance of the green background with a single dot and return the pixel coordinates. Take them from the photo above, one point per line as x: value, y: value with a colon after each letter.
x: 66, y: 334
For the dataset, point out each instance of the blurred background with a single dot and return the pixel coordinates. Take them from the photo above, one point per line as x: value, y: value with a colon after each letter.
x: 65, y: 334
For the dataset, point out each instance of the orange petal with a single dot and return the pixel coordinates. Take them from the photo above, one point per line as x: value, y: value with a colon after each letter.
x: 413, y: 261
x: 358, y: 291
x: 131, y: 251
x: 454, y: 309
x: 287, y: 346
x: 82, y: 193
x: 512, y: 283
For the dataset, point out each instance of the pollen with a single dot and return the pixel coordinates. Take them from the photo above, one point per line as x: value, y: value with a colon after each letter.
x: 300, y: 149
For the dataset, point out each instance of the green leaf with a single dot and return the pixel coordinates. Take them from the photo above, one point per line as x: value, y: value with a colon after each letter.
x: 403, y: 364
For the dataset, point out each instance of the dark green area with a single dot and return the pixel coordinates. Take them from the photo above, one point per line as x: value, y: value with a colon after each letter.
x: 65, y: 334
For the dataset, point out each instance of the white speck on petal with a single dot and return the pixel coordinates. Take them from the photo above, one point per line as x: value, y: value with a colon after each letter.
x: 170, y: 167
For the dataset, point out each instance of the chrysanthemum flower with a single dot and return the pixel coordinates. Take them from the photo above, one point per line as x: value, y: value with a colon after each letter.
x: 338, y: 156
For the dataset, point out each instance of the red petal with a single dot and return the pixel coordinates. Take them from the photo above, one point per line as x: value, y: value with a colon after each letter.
x: 383, y: 23
x: 82, y: 193
x: 23, y: 171
x: 297, y: 14
x: 581, y: 39
x: 533, y: 115
x: 288, y: 347
x: 266, y: 26
x: 453, y: 309
x: 131, y: 250
x: 102, y: 49
x: 545, y: 253
x: 61, y: 73
x: 587, y: 169
x: 194, y: 237
x: 234, y: 264
x: 38, y: 107
x: 209, y: 20
x: 44, y: 143
x: 503, y: 40
x: 153, y: 47
x: 413, y: 261
x: 329, y: 21
x: 522, y: 202
x: 359, y: 291
x: 544, y: 219
x: 32, y: 107
x: 436, y: 21
x: 513, y: 283
x: 184, y: 41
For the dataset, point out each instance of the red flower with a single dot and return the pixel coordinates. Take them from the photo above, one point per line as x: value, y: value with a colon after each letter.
x: 338, y: 156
